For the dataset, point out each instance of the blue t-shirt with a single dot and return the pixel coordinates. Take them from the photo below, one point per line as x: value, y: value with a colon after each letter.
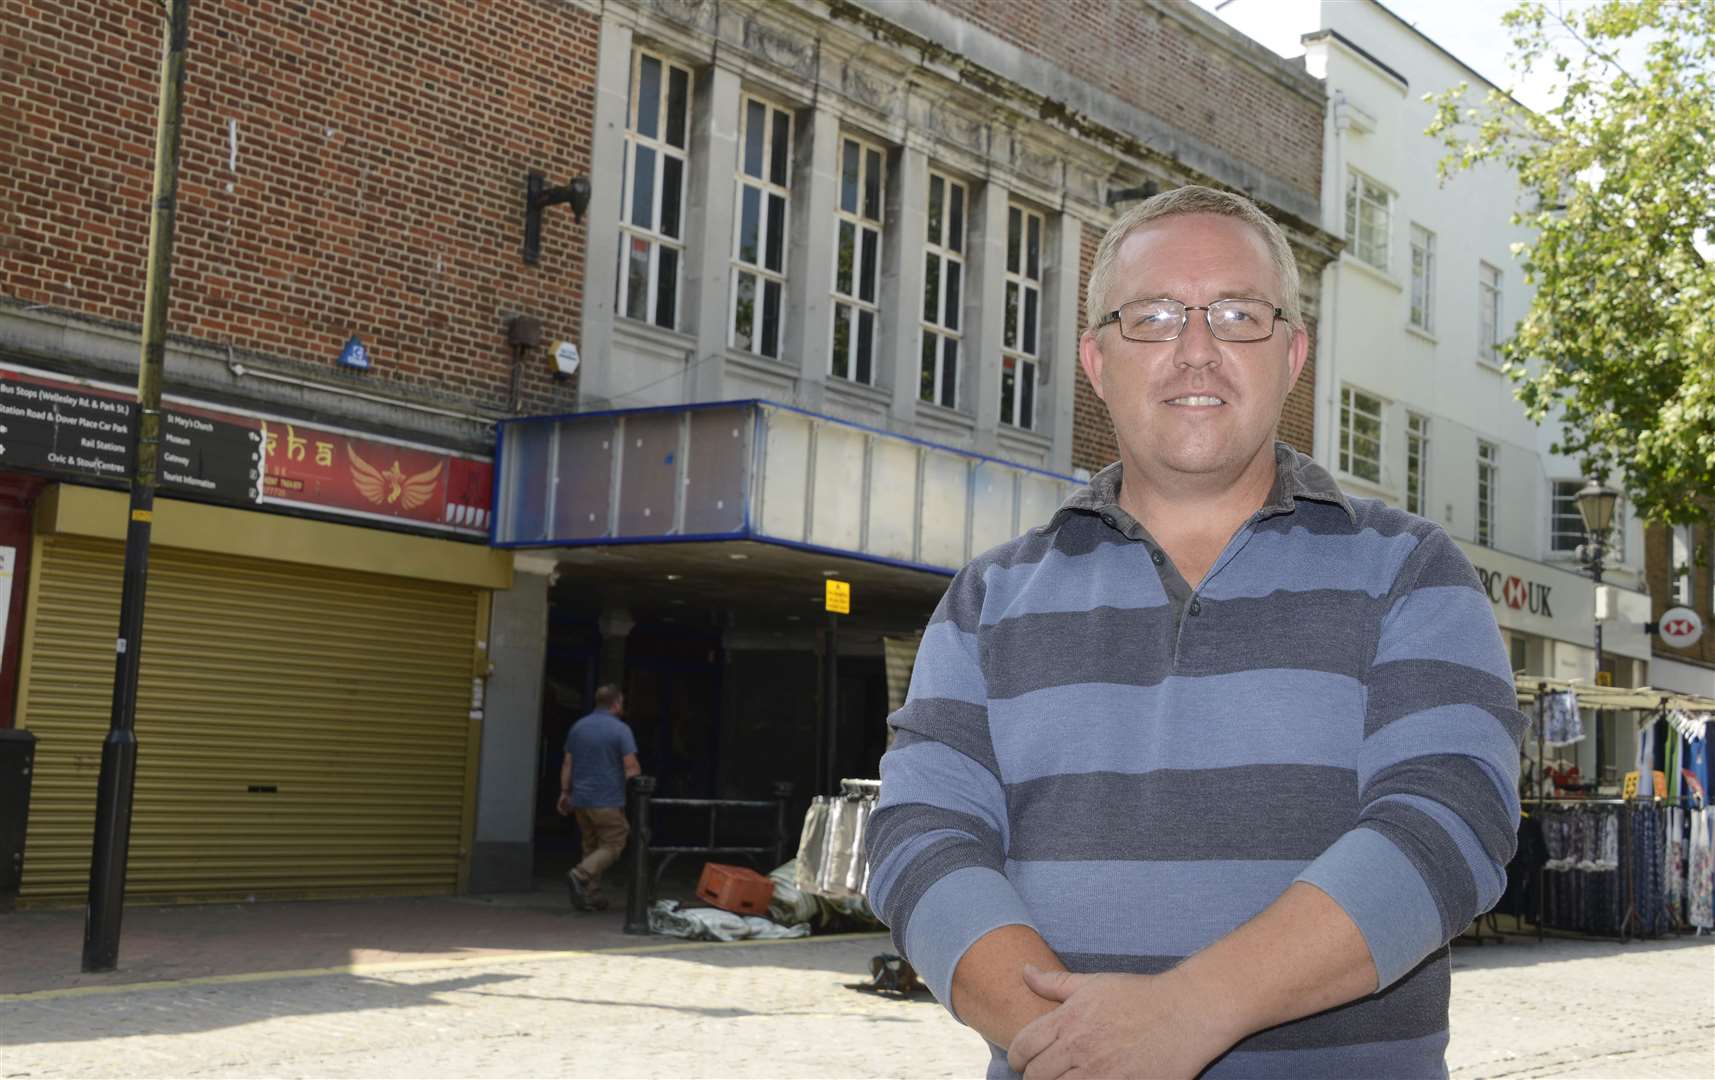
x: 598, y: 744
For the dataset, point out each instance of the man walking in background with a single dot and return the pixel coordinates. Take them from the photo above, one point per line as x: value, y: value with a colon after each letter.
x: 601, y: 755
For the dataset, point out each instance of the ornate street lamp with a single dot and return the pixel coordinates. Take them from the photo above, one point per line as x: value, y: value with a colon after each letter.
x: 1596, y: 502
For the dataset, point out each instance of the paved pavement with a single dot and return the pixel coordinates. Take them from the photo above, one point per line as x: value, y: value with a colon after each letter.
x: 517, y: 986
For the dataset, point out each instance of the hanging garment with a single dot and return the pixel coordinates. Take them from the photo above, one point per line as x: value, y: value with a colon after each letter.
x: 1697, y: 760
x: 1700, y: 876
x: 1675, y: 859
x: 1645, y: 763
x: 1561, y: 722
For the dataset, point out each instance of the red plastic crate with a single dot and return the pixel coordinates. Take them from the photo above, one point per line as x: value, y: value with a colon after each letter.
x: 738, y: 889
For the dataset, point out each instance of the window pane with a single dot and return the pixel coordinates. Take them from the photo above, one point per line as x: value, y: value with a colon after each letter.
x: 637, y: 280
x: 643, y: 189
x: 1014, y: 228
x: 1033, y: 250
x: 1008, y: 391
x: 843, y: 258
x: 937, y: 193
x: 749, y: 223
x: 932, y: 288
x: 949, y: 372
x: 866, y: 347
x: 744, y: 311
x: 667, y: 289
x: 849, y: 177
x: 1027, y: 395
x: 926, y: 376
x: 956, y: 218
x: 951, y: 319
x: 841, y: 365
x: 770, y: 318
x: 755, y: 127
x: 1009, y: 331
x: 648, y: 118
x: 872, y: 185
x: 775, y: 259
x: 781, y: 151
x: 1029, y: 343
x: 678, y: 97
x: 867, y: 275
x: 672, y: 194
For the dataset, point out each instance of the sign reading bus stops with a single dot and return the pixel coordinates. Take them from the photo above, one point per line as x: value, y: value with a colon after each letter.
x: 1681, y: 627
x: 839, y: 597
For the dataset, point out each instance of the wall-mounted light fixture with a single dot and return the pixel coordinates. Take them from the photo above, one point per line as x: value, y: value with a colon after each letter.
x: 538, y: 195
x: 1132, y: 194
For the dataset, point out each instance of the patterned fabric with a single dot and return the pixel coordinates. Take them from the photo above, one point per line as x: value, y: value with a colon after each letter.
x: 1700, y: 878
x: 1562, y: 723
x: 1135, y: 768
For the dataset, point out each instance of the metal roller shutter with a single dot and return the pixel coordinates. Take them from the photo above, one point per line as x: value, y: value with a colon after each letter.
x: 302, y: 730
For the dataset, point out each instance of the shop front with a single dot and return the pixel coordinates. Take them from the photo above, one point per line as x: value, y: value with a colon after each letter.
x: 310, y: 697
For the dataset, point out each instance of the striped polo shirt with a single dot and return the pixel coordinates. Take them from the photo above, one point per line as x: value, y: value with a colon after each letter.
x: 1135, y: 767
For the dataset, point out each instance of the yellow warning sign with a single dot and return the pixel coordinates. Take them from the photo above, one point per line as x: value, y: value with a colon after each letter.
x: 839, y: 597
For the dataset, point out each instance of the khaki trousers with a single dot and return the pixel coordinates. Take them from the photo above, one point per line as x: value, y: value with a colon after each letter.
x: 604, y: 831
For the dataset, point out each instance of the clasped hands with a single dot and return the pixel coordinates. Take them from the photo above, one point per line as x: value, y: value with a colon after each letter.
x: 1120, y: 1026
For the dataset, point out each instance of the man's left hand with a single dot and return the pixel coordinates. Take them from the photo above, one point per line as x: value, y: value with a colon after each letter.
x: 1120, y: 1026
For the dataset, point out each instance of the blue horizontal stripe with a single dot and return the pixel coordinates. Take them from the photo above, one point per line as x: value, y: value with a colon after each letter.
x: 1458, y: 729
x: 1112, y: 575
x: 1147, y: 908
x: 1448, y: 623
x: 1206, y: 722
x: 1300, y: 560
x: 955, y: 672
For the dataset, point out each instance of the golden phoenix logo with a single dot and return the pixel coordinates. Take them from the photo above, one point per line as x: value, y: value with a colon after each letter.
x: 392, y: 486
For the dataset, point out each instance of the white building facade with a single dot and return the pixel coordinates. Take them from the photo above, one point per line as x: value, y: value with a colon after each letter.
x: 1412, y: 404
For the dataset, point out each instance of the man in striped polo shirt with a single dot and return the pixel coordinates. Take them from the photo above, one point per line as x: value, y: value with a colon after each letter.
x: 1204, y: 773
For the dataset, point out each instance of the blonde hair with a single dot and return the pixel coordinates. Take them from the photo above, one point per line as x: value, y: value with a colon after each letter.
x: 1193, y: 200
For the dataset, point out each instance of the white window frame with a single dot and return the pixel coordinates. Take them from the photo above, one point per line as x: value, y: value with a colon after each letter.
x: 1489, y: 296
x: 1364, y: 192
x: 1350, y: 457
x: 1021, y: 335
x: 1488, y: 479
x: 1565, y: 524
x: 1417, y: 464
x: 1422, y: 313
x: 773, y: 186
x: 651, y: 237
x: 946, y: 324
x: 849, y: 305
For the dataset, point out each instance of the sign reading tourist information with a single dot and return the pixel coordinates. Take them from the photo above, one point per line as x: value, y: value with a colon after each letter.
x: 82, y: 432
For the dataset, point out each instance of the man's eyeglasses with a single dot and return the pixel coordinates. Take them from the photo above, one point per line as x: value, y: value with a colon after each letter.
x: 1237, y: 319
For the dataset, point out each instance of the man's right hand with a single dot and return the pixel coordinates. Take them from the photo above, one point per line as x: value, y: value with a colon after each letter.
x: 564, y: 806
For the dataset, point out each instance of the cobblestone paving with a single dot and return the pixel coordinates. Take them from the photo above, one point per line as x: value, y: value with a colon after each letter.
x: 1559, y: 1008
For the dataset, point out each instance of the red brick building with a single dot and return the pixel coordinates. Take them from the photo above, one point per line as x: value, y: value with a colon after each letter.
x: 776, y: 192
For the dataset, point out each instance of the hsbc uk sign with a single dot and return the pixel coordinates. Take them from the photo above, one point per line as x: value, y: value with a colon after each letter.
x: 1516, y: 593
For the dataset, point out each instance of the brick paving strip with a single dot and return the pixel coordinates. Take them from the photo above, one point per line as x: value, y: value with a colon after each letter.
x: 462, y: 988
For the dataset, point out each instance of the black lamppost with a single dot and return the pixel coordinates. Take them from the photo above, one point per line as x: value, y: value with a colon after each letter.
x: 1596, y: 502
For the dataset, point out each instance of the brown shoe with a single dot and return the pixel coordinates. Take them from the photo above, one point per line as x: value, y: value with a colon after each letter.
x: 578, y: 889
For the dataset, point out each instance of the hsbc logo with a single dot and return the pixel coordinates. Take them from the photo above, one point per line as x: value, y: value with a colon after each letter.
x: 1516, y: 593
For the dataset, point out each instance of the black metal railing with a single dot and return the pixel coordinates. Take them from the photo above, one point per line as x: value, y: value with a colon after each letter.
x: 645, y: 875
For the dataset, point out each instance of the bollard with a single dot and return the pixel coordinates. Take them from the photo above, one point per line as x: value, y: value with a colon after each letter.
x: 637, y: 794
x: 782, y: 793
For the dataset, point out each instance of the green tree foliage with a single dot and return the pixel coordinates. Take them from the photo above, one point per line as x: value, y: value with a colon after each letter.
x: 1619, y: 182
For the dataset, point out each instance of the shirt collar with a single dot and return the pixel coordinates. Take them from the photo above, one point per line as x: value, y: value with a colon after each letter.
x: 1295, y: 477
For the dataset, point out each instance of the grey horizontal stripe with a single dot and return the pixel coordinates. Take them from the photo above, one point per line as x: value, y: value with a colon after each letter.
x: 958, y: 724
x: 1437, y: 858
x: 1413, y: 1007
x: 1402, y: 687
x: 1274, y: 812
x: 1327, y: 519
x: 1327, y: 630
x: 1462, y: 785
x: 1332, y: 630
x: 1079, y: 534
x: 962, y: 603
x: 931, y: 865
x: 1132, y: 646
x: 1444, y: 565
x: 890, y: 829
